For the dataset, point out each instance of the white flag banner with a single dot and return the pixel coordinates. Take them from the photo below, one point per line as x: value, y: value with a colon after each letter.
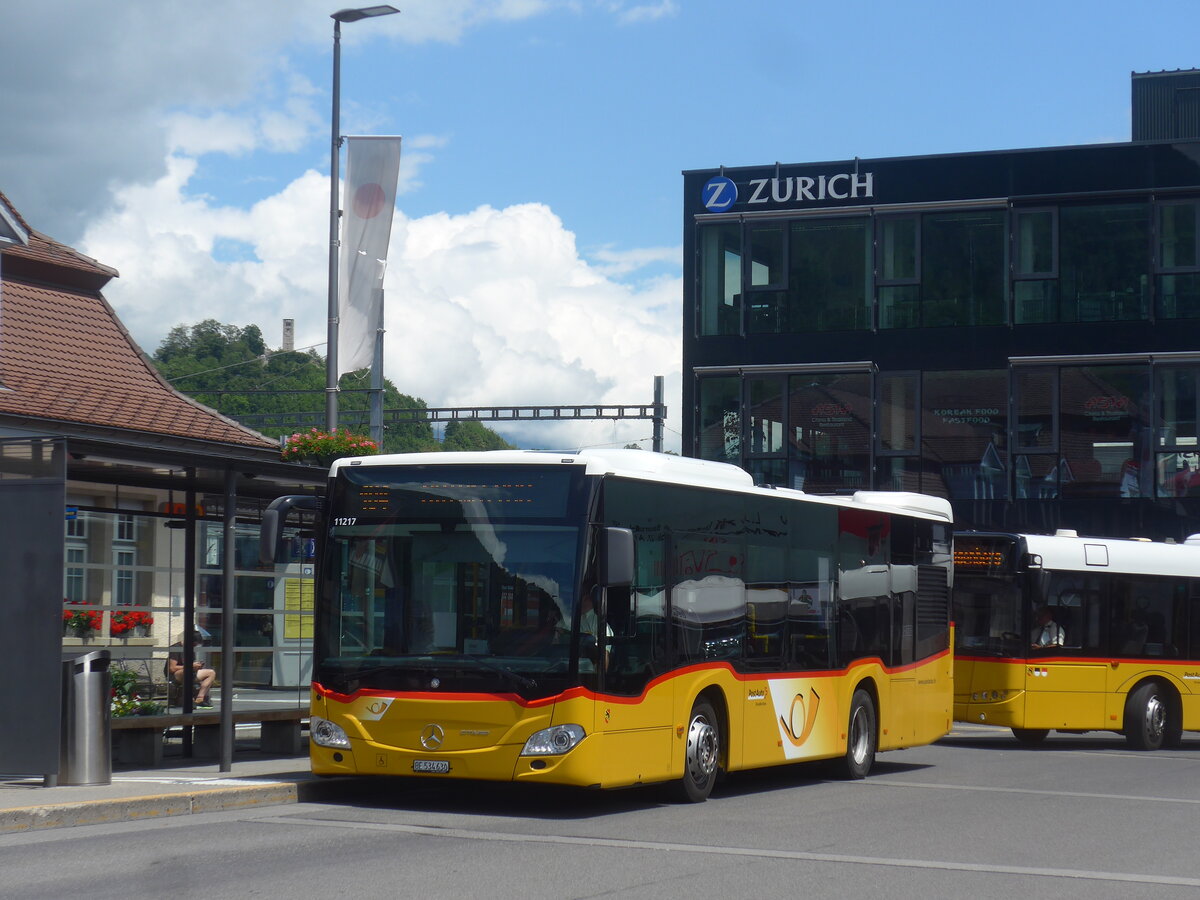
x: 372, y: 169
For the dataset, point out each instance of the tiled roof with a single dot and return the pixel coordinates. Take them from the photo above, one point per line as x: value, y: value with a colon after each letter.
x: 64, y: 355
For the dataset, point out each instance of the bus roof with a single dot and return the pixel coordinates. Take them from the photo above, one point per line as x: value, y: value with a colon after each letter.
x: 663, y: 467
x: 1067, y: 551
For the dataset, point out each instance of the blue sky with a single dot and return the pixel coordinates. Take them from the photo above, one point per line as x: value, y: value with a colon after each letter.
x: 536, y: 253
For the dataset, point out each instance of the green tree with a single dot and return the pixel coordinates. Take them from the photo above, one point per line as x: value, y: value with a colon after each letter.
x: 469, y: 434
x: 232, y: 370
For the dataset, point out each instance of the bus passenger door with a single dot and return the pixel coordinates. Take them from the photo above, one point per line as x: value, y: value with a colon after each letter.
x: 635, y: 709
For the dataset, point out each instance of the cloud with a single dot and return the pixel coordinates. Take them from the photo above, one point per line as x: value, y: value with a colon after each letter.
x: 491, y: 307
x: 614, y: 263
x: 98, y: 94
x: 128, y: 119
x: 644, y: 12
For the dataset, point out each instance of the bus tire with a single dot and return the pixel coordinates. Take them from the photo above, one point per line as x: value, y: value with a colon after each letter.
x: 1146, y: 725
x: 702, y: 755
x: 1173, y: 730
x: 861, y: 737
x: 1030, y: 737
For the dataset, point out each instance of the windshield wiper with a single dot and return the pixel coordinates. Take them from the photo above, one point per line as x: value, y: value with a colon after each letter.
x: 517, y: 678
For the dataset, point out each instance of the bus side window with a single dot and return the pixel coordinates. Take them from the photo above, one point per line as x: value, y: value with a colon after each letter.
x: 1148, y: 616
x: 766, y: 610
x: 1192, y: 650
x: 1075, y: 603
x: 808, y: 627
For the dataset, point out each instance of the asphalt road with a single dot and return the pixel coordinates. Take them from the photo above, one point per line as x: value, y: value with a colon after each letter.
x: 975, y: 815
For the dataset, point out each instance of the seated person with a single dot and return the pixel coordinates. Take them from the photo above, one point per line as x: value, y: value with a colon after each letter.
x: 550, y: 632
x: 204, y: 676
x: 1047, y: 632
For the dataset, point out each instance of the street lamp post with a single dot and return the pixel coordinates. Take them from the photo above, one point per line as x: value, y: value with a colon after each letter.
x: 335, y: 142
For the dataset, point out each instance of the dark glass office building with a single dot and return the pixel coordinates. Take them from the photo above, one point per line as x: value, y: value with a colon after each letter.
x: 1017, y: 331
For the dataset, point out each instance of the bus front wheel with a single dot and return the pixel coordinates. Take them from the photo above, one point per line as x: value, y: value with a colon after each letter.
x: 861, y: 739
x: 1030, y: 737
x: 1146, y: 717
x: 702, y: 754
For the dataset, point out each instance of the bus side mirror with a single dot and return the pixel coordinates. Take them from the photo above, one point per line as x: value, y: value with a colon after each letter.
x: 272, y: 523
x: 614, y: 557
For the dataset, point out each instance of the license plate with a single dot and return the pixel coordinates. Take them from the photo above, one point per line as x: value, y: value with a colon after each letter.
x: 436, y: 766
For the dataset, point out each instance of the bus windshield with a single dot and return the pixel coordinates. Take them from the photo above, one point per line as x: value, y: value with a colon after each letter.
x: 987, y: 612
x: 987, y: 597
x: 451, y: 578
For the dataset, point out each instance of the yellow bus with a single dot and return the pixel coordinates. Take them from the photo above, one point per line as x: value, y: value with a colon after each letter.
x: 611, y: 618
x: 1069, y: 633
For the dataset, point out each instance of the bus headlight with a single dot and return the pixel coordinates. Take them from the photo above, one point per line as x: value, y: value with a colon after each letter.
x: 326, y: 734
x: 553, y: 741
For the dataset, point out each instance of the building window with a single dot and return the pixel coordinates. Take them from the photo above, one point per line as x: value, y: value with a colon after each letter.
x: 1177, y: 237
x: 75, y: 586
x: 959, y: 279
x: 898, y: 435
x: 1035, y: 265
x: 963, y: 435
x: 898, y: 274
x: 768, y: 261
x: 765, y: 415
x: 962, y: 256
x: 1102, y: 410
x: 126, y: 527
x: 829, y: 426
x: 123, y: 578
x: 830, y: 275
x: 1103, y: 275
x: 77, y: 527
x: 720, y: 417
x: 1177, y: 261
x: 1177, y: 464
x: 1035, y: 463
x: 720, y: 251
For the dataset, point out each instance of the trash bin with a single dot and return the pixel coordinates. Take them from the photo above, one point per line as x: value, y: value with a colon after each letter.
x: 86, y: 750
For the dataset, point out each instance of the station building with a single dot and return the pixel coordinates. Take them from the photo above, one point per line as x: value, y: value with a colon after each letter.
x: 1015, y: 330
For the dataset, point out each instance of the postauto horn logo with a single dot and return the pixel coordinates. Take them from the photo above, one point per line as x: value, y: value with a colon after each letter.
x: 719, y: 193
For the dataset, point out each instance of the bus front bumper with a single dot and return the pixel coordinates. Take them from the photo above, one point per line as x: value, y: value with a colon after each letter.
x: 504, y: 762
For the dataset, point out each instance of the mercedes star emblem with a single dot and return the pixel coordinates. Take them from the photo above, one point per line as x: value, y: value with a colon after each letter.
x: 432, y: 736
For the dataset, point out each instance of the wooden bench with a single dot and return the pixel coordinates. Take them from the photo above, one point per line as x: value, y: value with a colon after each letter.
x: 139, y: 740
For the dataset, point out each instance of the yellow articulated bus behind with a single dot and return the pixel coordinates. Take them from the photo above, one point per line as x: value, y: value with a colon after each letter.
x: 1069, y: 633
x: 613, y: 618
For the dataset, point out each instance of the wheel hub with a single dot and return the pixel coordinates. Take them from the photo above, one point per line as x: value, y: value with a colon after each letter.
x: 859, y: 739
x: 702, y: 747
x: 1156, y: 717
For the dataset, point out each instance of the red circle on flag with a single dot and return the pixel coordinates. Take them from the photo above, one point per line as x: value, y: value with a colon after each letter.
x: 368, y: 201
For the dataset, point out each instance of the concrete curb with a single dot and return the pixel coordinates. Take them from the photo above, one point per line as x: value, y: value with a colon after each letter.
x: 100, y: 812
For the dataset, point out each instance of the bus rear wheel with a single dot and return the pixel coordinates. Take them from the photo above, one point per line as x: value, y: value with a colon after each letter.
x: 1146, y: 717
x: 702, y: 754
x: 1030, y: 737
x: 861, y: 739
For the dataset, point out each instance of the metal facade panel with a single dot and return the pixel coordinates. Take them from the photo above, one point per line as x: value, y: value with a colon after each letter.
x: 1166, y: 106
x: 32, y: 505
